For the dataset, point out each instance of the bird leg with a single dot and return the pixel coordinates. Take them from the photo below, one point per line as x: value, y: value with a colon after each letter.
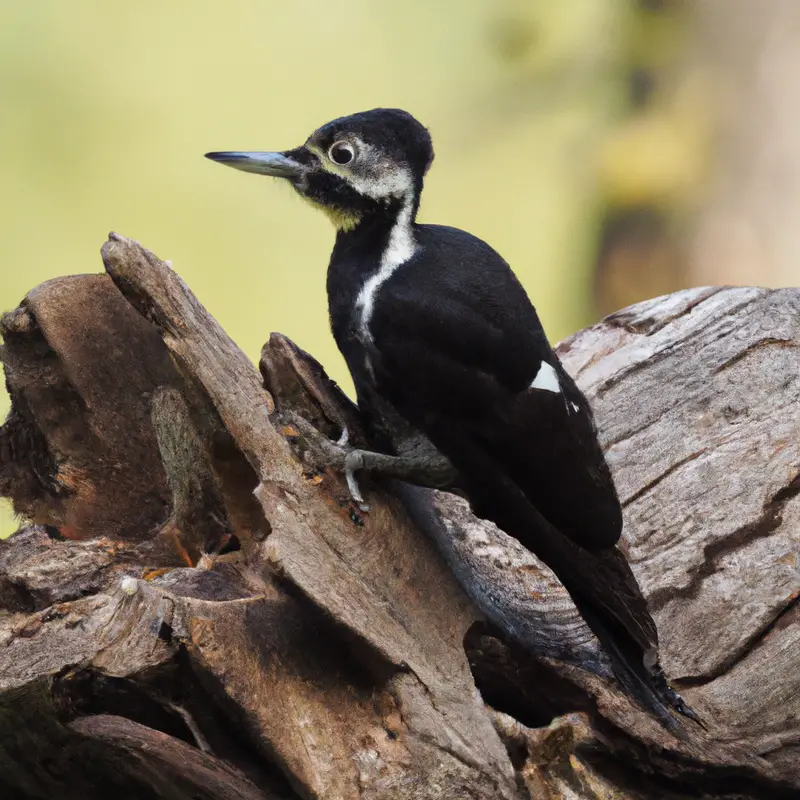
x: 424, y: 467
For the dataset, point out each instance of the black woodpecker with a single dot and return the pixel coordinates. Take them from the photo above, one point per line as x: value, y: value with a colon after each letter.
x: 455, y: 378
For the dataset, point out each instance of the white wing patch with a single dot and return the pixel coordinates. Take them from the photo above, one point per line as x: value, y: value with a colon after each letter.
x: 401, y: 248
x: 546, y: 379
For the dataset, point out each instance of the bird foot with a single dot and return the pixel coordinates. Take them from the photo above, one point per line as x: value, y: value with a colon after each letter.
x: 338, y: 455
x: 429, y: 468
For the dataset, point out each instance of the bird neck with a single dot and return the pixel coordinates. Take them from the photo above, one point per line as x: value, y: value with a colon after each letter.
x: 384, y: 231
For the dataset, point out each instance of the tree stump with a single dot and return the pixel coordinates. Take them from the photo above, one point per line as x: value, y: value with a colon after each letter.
x: 198, y: 611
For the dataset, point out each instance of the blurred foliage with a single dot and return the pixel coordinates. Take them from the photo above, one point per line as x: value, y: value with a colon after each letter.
x: 653, y: 162
x: 108, y: 108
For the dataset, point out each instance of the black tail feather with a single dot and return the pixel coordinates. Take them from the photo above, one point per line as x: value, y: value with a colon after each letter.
x: 627, y: 662
x: 600, y: 583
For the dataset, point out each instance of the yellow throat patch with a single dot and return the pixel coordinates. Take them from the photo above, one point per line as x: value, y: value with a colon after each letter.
x: 342, y: 220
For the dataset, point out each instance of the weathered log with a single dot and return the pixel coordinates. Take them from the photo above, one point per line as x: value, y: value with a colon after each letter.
x: 77, y: 449
x: 313, y: 650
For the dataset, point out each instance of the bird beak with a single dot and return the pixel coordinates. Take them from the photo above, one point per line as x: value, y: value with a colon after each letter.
x: 276, y: 164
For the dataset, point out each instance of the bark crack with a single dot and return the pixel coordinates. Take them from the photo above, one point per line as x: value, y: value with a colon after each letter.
x: 767, y: 523
x: 659, y: 478
x: 766, y: 342
x: 678, y: 345
x: 751, y: 644
x: 438, y: 742
x: 620, y: 319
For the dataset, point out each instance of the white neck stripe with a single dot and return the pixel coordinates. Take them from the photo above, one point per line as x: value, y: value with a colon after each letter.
x: 400, y: 248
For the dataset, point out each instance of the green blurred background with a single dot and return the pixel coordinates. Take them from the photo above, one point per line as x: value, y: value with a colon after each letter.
x: 581, y: 138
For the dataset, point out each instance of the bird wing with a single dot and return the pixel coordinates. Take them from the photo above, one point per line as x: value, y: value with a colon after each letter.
x: 527, y: 459
x: 464, y: 369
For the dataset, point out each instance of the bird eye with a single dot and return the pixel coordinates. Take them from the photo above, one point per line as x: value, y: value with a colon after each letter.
x: 341, y: 152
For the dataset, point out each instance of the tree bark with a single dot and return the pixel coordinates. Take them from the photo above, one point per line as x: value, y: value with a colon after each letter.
x: 200, y: 611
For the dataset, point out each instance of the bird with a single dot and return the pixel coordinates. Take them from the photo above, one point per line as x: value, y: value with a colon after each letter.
x: 456, y: 380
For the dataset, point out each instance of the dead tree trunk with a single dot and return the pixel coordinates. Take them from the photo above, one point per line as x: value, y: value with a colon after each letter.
x: 198, y: 611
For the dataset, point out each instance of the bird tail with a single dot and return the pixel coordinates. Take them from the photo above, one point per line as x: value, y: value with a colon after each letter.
x: 647, y: 685
x: 600, y: 583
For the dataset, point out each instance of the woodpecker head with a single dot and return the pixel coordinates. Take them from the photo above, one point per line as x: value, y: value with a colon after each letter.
x: 355, y: 167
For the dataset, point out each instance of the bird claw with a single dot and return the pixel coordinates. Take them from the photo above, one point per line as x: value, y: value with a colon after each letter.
x: 353, y: 462
x: 338, y: 455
